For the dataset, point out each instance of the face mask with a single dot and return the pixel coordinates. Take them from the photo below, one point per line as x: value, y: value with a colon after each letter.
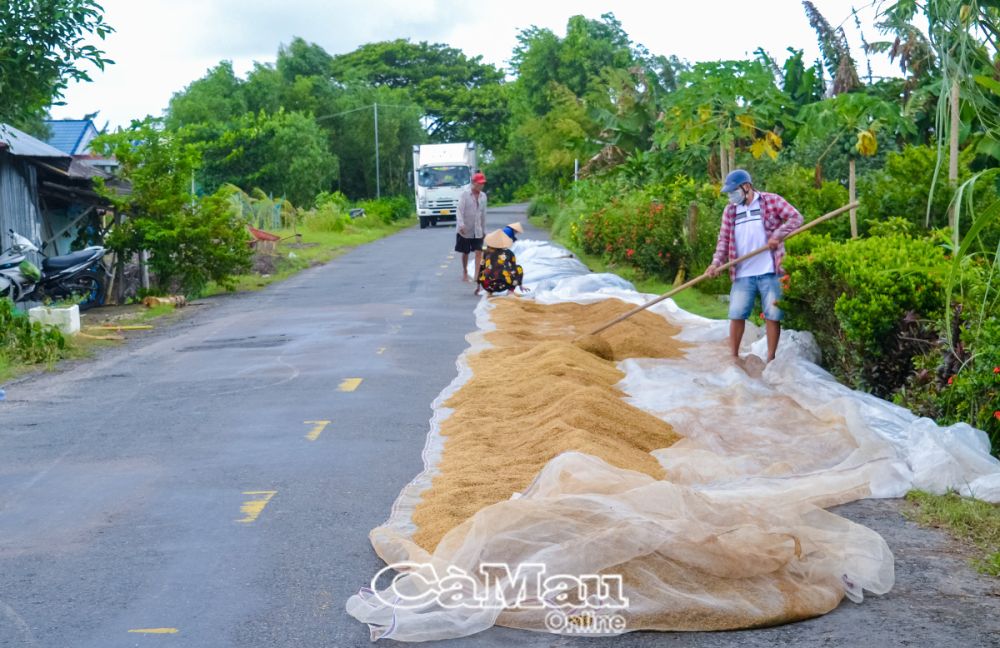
x: 737, y: 196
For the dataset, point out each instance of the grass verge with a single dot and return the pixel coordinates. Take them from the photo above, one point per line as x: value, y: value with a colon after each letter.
x: 974, y: 522
x: 311, y: 248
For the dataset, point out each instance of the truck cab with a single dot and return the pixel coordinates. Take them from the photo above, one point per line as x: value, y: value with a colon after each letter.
x: 441, y: 173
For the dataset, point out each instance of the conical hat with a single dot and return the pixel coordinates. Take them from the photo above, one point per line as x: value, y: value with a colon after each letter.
x: 516, y: 227
x: 497, y: 239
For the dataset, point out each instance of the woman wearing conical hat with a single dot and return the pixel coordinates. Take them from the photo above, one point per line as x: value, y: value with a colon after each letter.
x: 499, y: 271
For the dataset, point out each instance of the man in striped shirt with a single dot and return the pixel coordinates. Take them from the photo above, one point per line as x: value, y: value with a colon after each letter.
x: 753, y: 219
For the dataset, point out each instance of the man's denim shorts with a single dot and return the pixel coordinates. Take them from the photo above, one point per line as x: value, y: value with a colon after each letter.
x: 745, y: 291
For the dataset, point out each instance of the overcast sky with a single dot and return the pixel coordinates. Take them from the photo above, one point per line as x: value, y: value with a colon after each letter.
x: 161, y: 46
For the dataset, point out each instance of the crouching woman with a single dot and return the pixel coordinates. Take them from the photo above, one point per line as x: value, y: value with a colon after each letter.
x: 499, y: 271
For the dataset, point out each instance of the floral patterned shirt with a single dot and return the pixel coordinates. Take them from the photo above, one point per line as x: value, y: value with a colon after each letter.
x: 499, y: 271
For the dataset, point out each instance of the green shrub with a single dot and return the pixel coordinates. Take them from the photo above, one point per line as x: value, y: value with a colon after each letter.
x: 544, y: 206
x: 958, y: 378
x: 326, y: 217
x: 336, y: 200
x: 857, y: 296
x: 388, y: 210
x: 24, y: 341
x: 972, y: 394
x: 797, y: 185
x: 901, y: 190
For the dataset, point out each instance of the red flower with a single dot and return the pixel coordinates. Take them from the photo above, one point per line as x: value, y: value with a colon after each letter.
x: 949, y: 379
x: 629, y: 252
x: 996, y: 415
x: 996, y: 370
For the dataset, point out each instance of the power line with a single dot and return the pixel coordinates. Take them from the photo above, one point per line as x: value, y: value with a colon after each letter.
x: 374, y: 106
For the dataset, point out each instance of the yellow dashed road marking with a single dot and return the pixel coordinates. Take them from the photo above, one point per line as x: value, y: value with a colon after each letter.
x: 408, y: 312
x: 318, y: 427
x: 349, y: 384
x: 252, y: 509
x: 154, y: 631
x: 381, y: 350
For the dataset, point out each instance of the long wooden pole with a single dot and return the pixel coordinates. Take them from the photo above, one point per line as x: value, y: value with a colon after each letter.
x: 725, y: 266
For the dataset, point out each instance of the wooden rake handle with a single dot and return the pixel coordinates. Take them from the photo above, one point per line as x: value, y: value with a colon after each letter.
x: 725, y: 266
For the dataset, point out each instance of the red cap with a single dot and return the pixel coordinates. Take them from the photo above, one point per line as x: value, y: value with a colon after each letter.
x: 479, y: 178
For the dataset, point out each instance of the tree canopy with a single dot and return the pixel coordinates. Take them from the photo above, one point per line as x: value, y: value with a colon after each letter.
x: 42, y: 49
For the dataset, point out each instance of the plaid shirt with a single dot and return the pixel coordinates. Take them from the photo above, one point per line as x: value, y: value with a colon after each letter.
x: 779, y: 219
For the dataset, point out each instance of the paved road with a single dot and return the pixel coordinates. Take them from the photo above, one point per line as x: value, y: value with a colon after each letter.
x: 187, y: 483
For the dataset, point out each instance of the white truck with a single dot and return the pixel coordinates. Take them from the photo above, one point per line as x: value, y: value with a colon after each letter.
x: 441, y: 172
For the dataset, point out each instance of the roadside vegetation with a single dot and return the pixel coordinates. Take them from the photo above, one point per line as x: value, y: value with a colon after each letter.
x: 902, y: 296
x: 974, y: 522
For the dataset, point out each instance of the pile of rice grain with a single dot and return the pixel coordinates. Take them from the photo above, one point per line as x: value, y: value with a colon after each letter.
x: 533, y: 395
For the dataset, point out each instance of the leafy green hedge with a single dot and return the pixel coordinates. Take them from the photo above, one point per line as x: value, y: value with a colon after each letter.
x: 858, y: 297
x: 24, y: 341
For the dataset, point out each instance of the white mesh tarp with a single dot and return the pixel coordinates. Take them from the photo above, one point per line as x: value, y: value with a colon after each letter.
x: 735, y: 537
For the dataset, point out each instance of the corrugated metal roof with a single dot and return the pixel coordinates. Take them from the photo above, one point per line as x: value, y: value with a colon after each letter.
x: 23, y: 145
x: 68, y: 134
x: 18, y: 201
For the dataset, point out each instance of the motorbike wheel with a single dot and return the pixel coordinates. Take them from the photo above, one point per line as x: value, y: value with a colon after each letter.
x: 90, y: 284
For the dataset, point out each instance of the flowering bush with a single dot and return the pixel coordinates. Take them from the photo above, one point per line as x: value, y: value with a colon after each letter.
x: 652, y: 229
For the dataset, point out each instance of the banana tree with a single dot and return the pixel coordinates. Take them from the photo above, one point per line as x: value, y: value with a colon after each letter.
x: 851, y: 122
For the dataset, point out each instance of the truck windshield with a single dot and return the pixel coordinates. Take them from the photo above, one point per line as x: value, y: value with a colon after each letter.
x: 443, y: 176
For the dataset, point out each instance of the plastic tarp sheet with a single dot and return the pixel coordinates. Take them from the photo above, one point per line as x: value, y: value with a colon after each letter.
x: 735, y: 537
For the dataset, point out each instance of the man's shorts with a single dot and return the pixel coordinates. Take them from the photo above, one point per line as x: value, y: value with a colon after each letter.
x: 745, y: 291
x: 466, y: 245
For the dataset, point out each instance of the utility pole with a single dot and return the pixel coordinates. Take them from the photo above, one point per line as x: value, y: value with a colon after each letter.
x: 378, y: 182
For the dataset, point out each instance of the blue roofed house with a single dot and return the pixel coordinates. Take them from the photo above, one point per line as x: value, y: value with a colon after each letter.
x: 73, y: 136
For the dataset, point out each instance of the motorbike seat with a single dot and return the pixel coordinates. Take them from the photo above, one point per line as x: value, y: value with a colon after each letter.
x: 59, y: 263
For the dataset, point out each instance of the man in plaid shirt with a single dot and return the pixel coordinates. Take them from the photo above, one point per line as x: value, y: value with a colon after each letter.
x: 753, y: 219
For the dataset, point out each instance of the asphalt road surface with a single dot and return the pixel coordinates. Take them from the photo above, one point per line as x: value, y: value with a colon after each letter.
x: 212, y: 484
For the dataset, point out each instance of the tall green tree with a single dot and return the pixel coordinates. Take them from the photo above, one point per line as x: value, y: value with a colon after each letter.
x: 42, y: 49
x: 854, y: 122
x: 576, y: 61
x: 589, y: 96
x: 351, y: 131
x: 286, y: 154
x: 191, y: 240
x: 216, y: 98
x: 463, y: 98
x: 303, y: 59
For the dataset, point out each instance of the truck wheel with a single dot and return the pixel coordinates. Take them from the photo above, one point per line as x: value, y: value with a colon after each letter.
x: 424, y: 222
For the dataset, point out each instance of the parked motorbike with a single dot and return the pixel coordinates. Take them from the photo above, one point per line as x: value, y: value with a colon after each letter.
x: 78, y: 274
